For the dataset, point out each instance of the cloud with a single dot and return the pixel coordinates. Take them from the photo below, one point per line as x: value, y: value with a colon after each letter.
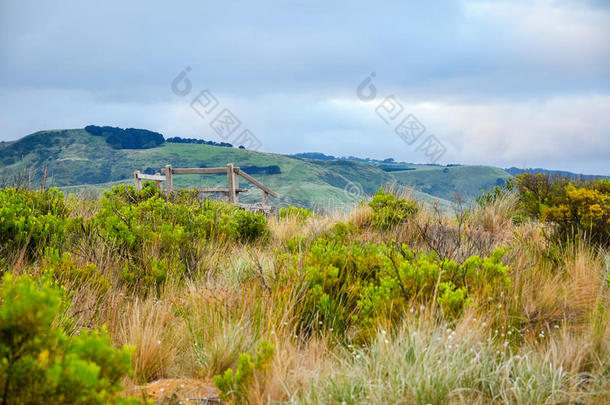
x: 502, y: 82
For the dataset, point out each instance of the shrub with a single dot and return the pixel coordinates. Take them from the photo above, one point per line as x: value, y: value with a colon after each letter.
x: 40, y: 364
x: 585, y: 209
x: 538, y: 191
x: 354, y: 284
x: 62, y: 269
x: 337, y: 277
x: 495, y: 193
x: 300, y: 214
x: 175, y: 227
x: 31, y: 219
x: 575, y: 208
x: 235, y: 386
x: 389, y: 211
x: 251, y: 226
x: 133, y: 217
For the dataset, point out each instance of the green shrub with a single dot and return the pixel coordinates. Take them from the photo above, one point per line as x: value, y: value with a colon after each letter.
x: 132, y: 216
x: 235, y: 386
x: 175, y: 227
x: 493, y: 194
x: 337, y: 277
x: 300, y: 214
x: 128, y: 194
x: 61, y: 268
x: 40, y: 364
x: 452, y: 299
x: 31, y: 219
x: 342, y: 232
x: 354, y: 284
x: 538, y: 191
x: 389, y: 211
x: 576, y: 208
x: 251, y: 226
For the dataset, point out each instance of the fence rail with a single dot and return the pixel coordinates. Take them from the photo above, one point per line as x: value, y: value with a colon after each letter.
x: 232, y: 191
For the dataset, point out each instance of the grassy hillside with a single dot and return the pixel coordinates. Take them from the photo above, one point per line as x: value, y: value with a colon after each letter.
x: 76, y: 160
x: 445, y: 182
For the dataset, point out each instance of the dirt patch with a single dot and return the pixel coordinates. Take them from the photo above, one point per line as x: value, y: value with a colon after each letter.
x: 181, y: 392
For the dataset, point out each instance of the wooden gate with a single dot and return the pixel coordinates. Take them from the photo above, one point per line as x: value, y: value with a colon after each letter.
x: 232, y: 191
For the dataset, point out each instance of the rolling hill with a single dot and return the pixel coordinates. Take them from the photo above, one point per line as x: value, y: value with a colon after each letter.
x: 76, y: 160
x: 446, y: 182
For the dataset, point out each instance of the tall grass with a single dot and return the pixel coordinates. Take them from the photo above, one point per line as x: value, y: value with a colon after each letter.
x: 545, y: 341
x: 424, y: 364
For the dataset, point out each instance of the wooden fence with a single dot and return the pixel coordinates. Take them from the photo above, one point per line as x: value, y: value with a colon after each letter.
x: 232, y: 191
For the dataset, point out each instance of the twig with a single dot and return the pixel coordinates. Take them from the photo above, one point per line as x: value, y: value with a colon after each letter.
x: 402, y: 286
x: 260, y: 271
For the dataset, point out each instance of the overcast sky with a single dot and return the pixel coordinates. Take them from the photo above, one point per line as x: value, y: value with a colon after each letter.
x: 504, y: 83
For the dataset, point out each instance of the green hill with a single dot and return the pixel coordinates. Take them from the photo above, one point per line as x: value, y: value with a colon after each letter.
x: 446, y: 182
x: 76, y: 160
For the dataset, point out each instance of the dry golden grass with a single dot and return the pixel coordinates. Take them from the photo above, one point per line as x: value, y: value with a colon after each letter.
x: 283, y: 229
x: 239, y: 295
x: 229, y: 309
x: 361, y: 216
x: 159, y: 338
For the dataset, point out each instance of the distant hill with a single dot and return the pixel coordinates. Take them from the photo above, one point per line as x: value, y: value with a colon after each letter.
x: 440, y: 181
x: 77, y: 159
x: 446, y: 182
x: 514, y: 171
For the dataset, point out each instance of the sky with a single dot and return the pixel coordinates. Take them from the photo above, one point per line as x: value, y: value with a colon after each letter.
x: 502, y: 83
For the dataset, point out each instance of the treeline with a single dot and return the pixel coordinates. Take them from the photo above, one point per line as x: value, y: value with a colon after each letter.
x: 271, y: 169
x: 177, y: 139
x: 130, y: 138
x: 314, y: 155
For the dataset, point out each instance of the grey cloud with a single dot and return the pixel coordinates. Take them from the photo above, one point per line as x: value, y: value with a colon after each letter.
x: 280, y: 64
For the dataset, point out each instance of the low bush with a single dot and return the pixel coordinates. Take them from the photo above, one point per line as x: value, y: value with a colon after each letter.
x: 250, y: 226
x: 175, y: 228
x: 133, y: 217
x: 235, y: 386
x: 495, y: 193
x: 40, y: 364
x: 60, y: 267
x: 300, y: 214
x: 352, y: 284
x: 31, y: 219
x: 575, y: 208
x: 388, y: 211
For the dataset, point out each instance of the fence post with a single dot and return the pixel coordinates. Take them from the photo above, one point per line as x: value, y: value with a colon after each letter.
x: 158, y: 182
x: 230, y: 180
x: 169, y: 182
x: 137, y: 180
x: 265, y: 198
x: 236, y: 183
